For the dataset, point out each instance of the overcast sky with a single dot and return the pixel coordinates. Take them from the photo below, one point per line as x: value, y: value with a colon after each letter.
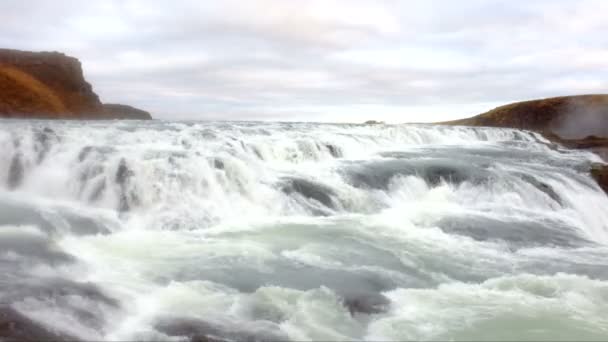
x: 351, y: 60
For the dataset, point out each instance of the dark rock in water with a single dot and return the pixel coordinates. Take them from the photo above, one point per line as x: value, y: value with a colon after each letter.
x: 44, y: 140
x: 66, y: 288
x: 257, y: 152
x: 82, y: 225
x: 373, y: 122
x: 367, y: 304
x: 543, y: 187
x: 334, y: 150
x: 194, y: 330
x: 34, y: 248
x: 123, y: 205
x: 91, y: 172
x: 15, y: 214
x: 16, y: 171
x: 97, y: 191
x: 16, y: 327
x: 123, y: 173
x: 84, y: 153
x: 516, y: 234
x: 202, y: 331
x: 599, y: 172
x: 123, y: 177
x: 308, y: 189
x: 61, y: 293
x: 379, y: 174
x: 218, y: 164
x: 434, y: 174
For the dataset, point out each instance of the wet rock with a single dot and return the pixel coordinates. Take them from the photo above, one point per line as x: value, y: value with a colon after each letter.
x: 257, y: 152
x: 379, y: 174
x: 17, y: 327
x: 599, y: 172
x: 435, y: 174
x: 33, y: 248
x: 49, y: 222
x: 366, y: 304
x: 517, y: 234
x: 98, y: 190
x: 123, y: 173
x: 203, y: 331
x: 84, y: 153
x: 218, y: 164
x: 543, y: 187
x: 82, y: 225
x: 82, y: 302
x: 335, y: 151
x: 61, y: 292
x: 16, y: 171
x: 127, y: 198
x: 44, y: 140
x: 309, y: 189
x: 194, y: 330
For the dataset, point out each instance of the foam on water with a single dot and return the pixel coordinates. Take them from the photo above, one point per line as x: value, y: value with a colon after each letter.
x: 274, y: 231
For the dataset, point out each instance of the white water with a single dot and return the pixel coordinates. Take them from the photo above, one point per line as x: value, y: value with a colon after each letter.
x: 269, y: 231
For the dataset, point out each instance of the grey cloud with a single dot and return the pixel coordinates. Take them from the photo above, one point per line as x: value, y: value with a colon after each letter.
x: 288, y: 60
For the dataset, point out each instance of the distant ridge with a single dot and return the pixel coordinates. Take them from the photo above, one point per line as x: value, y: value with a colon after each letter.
x: 569, y: 117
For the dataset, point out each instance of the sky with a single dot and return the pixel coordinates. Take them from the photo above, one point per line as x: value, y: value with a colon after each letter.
x: 325, y: 60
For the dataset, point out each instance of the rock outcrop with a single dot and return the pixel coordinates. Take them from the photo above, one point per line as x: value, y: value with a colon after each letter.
x: 600, y: 173
x: 569, y: 117
x: 579, y: 122
x: 119, y: 111
x: 49, y: 85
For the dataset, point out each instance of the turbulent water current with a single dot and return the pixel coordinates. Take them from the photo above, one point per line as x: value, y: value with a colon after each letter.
x: 297, y: 231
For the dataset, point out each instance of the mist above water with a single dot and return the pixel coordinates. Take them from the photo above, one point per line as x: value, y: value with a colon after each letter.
x: 581, y: 119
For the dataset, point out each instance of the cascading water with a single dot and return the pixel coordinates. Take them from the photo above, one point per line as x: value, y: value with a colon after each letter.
x: 276, y: 231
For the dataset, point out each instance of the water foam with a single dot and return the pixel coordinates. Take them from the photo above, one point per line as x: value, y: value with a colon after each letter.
x: 160, y: 230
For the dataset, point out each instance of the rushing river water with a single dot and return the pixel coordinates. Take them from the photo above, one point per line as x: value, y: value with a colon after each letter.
x: 275, y: 231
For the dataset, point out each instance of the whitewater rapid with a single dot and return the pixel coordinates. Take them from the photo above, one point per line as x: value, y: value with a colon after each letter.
x: 157, y: 230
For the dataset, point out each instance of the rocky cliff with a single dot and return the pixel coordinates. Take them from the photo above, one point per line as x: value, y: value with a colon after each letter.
x: 47, y: 85
x: 579, y: 122
x: 569, y: 117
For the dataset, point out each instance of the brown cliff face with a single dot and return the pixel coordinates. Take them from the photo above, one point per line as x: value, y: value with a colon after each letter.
x: 569, y: 117
x: 22, y: 93
x: 51, y: 85
x: 55, y: 87
x: 579, y: 122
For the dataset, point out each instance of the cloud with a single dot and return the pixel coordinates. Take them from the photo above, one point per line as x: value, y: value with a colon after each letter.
x: 321, y: 60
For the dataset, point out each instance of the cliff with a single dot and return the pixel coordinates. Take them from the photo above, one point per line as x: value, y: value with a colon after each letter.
x: 569, y: 117
x: 48, y: 85
x: 579, y: 122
